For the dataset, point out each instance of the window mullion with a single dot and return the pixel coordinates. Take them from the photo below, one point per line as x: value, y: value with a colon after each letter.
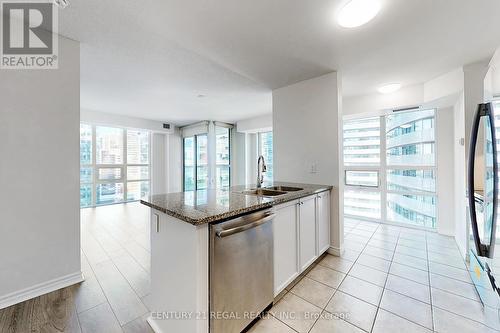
x: 124, y: 168
x: 94, y: 169
x: 383, y: 170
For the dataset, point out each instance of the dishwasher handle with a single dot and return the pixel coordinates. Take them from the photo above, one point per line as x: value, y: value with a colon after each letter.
x: 232, y: 231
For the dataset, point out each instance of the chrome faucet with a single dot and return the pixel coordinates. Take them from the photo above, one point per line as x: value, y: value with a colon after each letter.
x: 260, y: 176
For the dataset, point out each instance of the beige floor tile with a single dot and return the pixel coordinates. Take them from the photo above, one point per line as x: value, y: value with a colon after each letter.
x: 461, y: 306
x: 326, y: 275
x: 454, y: 286
x: 368, y: 274
x: 314, y: 292
x: 451, y: 272
x: 356, y: 311
x: 378, y: 252
x: 387, y: 322
x: 447, y: 322
x: 409, y: 251
x: 336, y: 263
x: 270, y: 324
x: 411, y: 261
x: 409, y: 288
x: 363, y: 290
x: 296, y: 312
x: 410, y: 273
x: 408, y: 308
x: 330, y: 324
x: 374, y: 262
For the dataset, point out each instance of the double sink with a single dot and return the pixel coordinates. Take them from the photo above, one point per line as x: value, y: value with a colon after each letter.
x: 272, y: 191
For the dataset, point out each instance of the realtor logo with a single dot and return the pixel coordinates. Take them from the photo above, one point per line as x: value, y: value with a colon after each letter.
x: 29, y: 35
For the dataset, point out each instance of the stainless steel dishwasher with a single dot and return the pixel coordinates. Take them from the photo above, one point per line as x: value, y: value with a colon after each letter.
x: 241, y: 271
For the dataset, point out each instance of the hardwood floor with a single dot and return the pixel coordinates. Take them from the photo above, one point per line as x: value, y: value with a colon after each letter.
x: 115, y: 293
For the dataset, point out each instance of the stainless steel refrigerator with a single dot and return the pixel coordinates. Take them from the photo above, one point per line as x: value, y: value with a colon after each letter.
x: 482, y: 189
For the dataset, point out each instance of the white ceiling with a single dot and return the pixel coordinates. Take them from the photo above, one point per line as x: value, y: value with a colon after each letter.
x: 152, y: 58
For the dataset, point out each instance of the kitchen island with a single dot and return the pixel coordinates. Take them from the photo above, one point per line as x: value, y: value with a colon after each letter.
x: 184, y: 271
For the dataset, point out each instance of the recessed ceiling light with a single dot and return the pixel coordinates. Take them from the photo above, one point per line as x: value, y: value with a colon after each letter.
x: 358, y: 12
x: 389, y: 88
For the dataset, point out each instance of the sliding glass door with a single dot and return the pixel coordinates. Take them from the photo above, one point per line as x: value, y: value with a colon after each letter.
x: 390, y: 168
x: 207, y: 156
x: 195, y: 162
x: 222, y: 156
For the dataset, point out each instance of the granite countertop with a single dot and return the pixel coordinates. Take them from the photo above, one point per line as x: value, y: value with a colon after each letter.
x: 208, y: 206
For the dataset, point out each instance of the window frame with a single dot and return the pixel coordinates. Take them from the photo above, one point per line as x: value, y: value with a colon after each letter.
x: 123, y: 167
x: 230, y: 143
x: 260, y: 152
x: 383, y: 168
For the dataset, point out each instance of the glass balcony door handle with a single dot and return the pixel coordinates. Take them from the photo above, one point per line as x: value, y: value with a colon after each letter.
x: 483, y: 110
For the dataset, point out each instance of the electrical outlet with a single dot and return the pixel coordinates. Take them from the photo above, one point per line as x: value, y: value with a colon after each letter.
x: 314, y: 168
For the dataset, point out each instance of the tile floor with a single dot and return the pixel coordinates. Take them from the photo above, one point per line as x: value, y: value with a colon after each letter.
x: 390, y: 279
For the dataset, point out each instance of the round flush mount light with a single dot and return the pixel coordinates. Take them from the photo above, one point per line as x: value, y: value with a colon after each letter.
x: 389, y: 88
x: 358, y: 12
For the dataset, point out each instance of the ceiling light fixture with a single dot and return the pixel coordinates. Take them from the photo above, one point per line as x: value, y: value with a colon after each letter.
x: 389, y: 88
x: 358, y: 12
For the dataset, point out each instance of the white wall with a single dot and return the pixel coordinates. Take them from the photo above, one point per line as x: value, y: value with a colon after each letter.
x: 257, y: 124
x: 445, y: 170
x: 251, y: 155
x: 461, y: 223
x: 238, y: 158
x: 448, y: 84
x: 174, y: 157
x: 306, y: 136
x: 159, y: 163
x: 405, y: 97
x: 103, y: 118
x: 39, y: 177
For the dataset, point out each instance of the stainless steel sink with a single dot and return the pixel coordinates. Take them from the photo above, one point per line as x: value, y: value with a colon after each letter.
x: 264, y: 192
x: 284, y: 188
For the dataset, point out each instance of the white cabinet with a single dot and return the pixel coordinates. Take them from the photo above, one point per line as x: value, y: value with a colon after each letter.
x: 285, y: 229
x: 301, y: 233
x: 323, y: 218
x: 307, y: 231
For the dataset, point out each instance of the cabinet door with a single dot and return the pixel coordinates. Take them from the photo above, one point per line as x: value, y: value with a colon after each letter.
x: 307, y: 231
x: 285, y: 246
x: 323, y: 211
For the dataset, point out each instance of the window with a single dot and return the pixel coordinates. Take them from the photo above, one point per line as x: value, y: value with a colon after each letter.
x: 398, y: 185
x: 114, y: 165
x: 201, y: 162
x: 201, y: 170
x: 266, y: 149
x: 196, y: 163
x: 362, y: 196
x: 222, y: 156
x: 86, y: 168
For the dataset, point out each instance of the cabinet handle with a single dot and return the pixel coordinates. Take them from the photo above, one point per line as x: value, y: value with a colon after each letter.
x: 157, y: 223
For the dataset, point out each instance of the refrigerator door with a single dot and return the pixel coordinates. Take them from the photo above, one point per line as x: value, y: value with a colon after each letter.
x: 483, y: 215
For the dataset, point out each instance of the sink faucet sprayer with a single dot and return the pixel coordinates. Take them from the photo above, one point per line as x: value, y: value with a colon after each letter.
x: 260, y: 176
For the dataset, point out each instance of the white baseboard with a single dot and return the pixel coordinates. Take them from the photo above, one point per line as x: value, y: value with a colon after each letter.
x: 40, y: 289
x: 335, y: 251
